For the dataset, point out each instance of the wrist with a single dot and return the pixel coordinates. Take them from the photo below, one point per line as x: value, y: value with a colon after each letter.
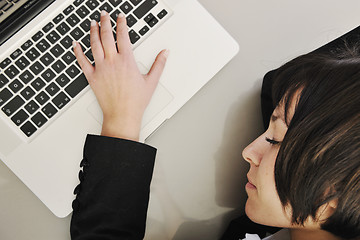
x: 125, y: 128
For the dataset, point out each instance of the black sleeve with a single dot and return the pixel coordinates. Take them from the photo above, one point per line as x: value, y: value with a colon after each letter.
x: 113, y: 194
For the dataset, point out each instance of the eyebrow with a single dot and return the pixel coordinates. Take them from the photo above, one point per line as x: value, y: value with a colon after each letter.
x: 275, y: 117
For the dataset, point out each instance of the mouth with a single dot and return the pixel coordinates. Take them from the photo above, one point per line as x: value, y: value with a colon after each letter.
x: 250, y: 185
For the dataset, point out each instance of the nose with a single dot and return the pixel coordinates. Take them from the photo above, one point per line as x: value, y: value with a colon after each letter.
x: 254, y: 151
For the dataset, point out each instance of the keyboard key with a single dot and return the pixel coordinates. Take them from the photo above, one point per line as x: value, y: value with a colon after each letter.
x: 144, y: 8
x: 115, y: 3
x: 16, y: 85
x: 89, y: 55
x: 77, y: 33
x: 68, y: 57
x: 58, y: 18
x: 11, y: 72
x: 31, y: 107
x: 7, y: 7
x: 126, y: 7
x: 131, y: 20
x: 135, y: 2
x: 3, y: 80
x: 38, y: 84
x: 85, y: 25
x: 22, y: 63
x: 134, y: 37
x: 3, y: 4
x: 68, y: 10
x: 62, y: 80
x: 95, y: 16
x: 66, y: 42
x: 15, y: 54
x: 61, y: 100
x: 77, y: 86
x: 92, y: 4
x: 115, y: 15
x: 162, y: 14
x: 83, y: 12
x: 47, y: 59
x: 20, y: 117
x: 72, y: 71
x: 12, y: 106
x: 73, y: 20
x: 42, y: 98
x: 78, y: 2
x: 52, y: 89
x: 5, y: 95
x: 27, y: 93
x: 32, y: 54
x: 28, y: 128
x: 144, y: 30
x: 37, y: 36
x: 58, y: 66
x: 43, y: 45
x: 48, y: 27
x: 106, y: 7
x: 57, y: 50
x: 26, y: 45
x: 153, y: 21
x: 36, y: 68
x: 53, y: 37
x: 86, y: 40
x: 49, y: 110
x: 48, y: 75
x: 38, y: 119
x: 26, y: 77
x: 63, y: 28
x: 4, y: 64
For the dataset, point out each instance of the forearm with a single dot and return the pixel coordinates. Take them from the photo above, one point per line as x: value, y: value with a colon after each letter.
x: 113, y: 196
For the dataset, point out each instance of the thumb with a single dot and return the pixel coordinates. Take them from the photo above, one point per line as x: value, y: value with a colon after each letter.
x: 158, y: 66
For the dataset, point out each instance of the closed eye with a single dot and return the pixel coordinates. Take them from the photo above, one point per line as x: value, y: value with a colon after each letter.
x: 272, y: 141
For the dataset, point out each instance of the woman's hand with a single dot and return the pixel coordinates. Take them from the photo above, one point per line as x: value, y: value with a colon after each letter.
x: 122, y: 91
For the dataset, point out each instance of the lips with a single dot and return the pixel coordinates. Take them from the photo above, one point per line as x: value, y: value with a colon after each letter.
x: 250, y: 184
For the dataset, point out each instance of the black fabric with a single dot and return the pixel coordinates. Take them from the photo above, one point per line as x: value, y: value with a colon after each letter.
x: 113, y: 194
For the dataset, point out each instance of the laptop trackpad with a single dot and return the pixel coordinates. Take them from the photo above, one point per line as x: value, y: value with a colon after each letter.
x: 159, y: 101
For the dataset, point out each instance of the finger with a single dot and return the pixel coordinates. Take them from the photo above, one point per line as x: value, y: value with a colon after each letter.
x: 82, y: 60
x: 95, y: 42
x: 122, y: 35
x: 107, y: 37
x: 158, y: 66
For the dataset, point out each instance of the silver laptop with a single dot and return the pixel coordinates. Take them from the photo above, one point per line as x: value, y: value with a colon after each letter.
x: 47, y: 107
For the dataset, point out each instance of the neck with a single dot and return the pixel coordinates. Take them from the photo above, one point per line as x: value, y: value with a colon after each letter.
x: 301, y: 234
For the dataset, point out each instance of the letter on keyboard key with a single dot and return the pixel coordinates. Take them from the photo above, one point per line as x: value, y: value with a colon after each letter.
x: 3, y: 80
x: 28, y: 128
x: 77, y: 85
x: 39, y: 119
x: 13, y: 105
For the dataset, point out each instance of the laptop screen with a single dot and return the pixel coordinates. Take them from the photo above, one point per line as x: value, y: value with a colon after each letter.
x: 16, y: 14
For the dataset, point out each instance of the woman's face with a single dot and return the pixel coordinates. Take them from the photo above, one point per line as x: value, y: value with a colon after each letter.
x: 263, y: 205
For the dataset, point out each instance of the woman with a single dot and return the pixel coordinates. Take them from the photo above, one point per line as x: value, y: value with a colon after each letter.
x: 304, y: 170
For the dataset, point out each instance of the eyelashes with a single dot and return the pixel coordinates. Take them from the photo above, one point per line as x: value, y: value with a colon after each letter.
x: 272, y: 141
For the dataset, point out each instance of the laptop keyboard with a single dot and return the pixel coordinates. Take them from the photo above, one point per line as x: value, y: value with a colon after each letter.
x: 39, y: 79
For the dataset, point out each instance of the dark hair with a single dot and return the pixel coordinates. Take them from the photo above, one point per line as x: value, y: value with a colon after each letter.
x: 319, y: 158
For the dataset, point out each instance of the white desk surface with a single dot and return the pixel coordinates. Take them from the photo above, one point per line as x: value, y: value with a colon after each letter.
x: 199, y: 174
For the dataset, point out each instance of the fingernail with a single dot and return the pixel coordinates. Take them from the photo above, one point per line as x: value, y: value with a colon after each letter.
x: 121, y: 15
x: 103, y: 13
x: 74, y: 43
x: 93, y: 22
x: 166, y: 53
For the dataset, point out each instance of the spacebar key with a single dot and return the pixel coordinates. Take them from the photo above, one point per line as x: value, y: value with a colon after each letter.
x: 144, y: 8
x: 77, y: 85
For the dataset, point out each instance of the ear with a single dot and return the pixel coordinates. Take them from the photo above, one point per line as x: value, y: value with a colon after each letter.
x: 328, y: 209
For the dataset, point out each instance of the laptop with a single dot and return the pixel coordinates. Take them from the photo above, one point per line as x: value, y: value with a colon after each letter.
x: 47, y: 107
